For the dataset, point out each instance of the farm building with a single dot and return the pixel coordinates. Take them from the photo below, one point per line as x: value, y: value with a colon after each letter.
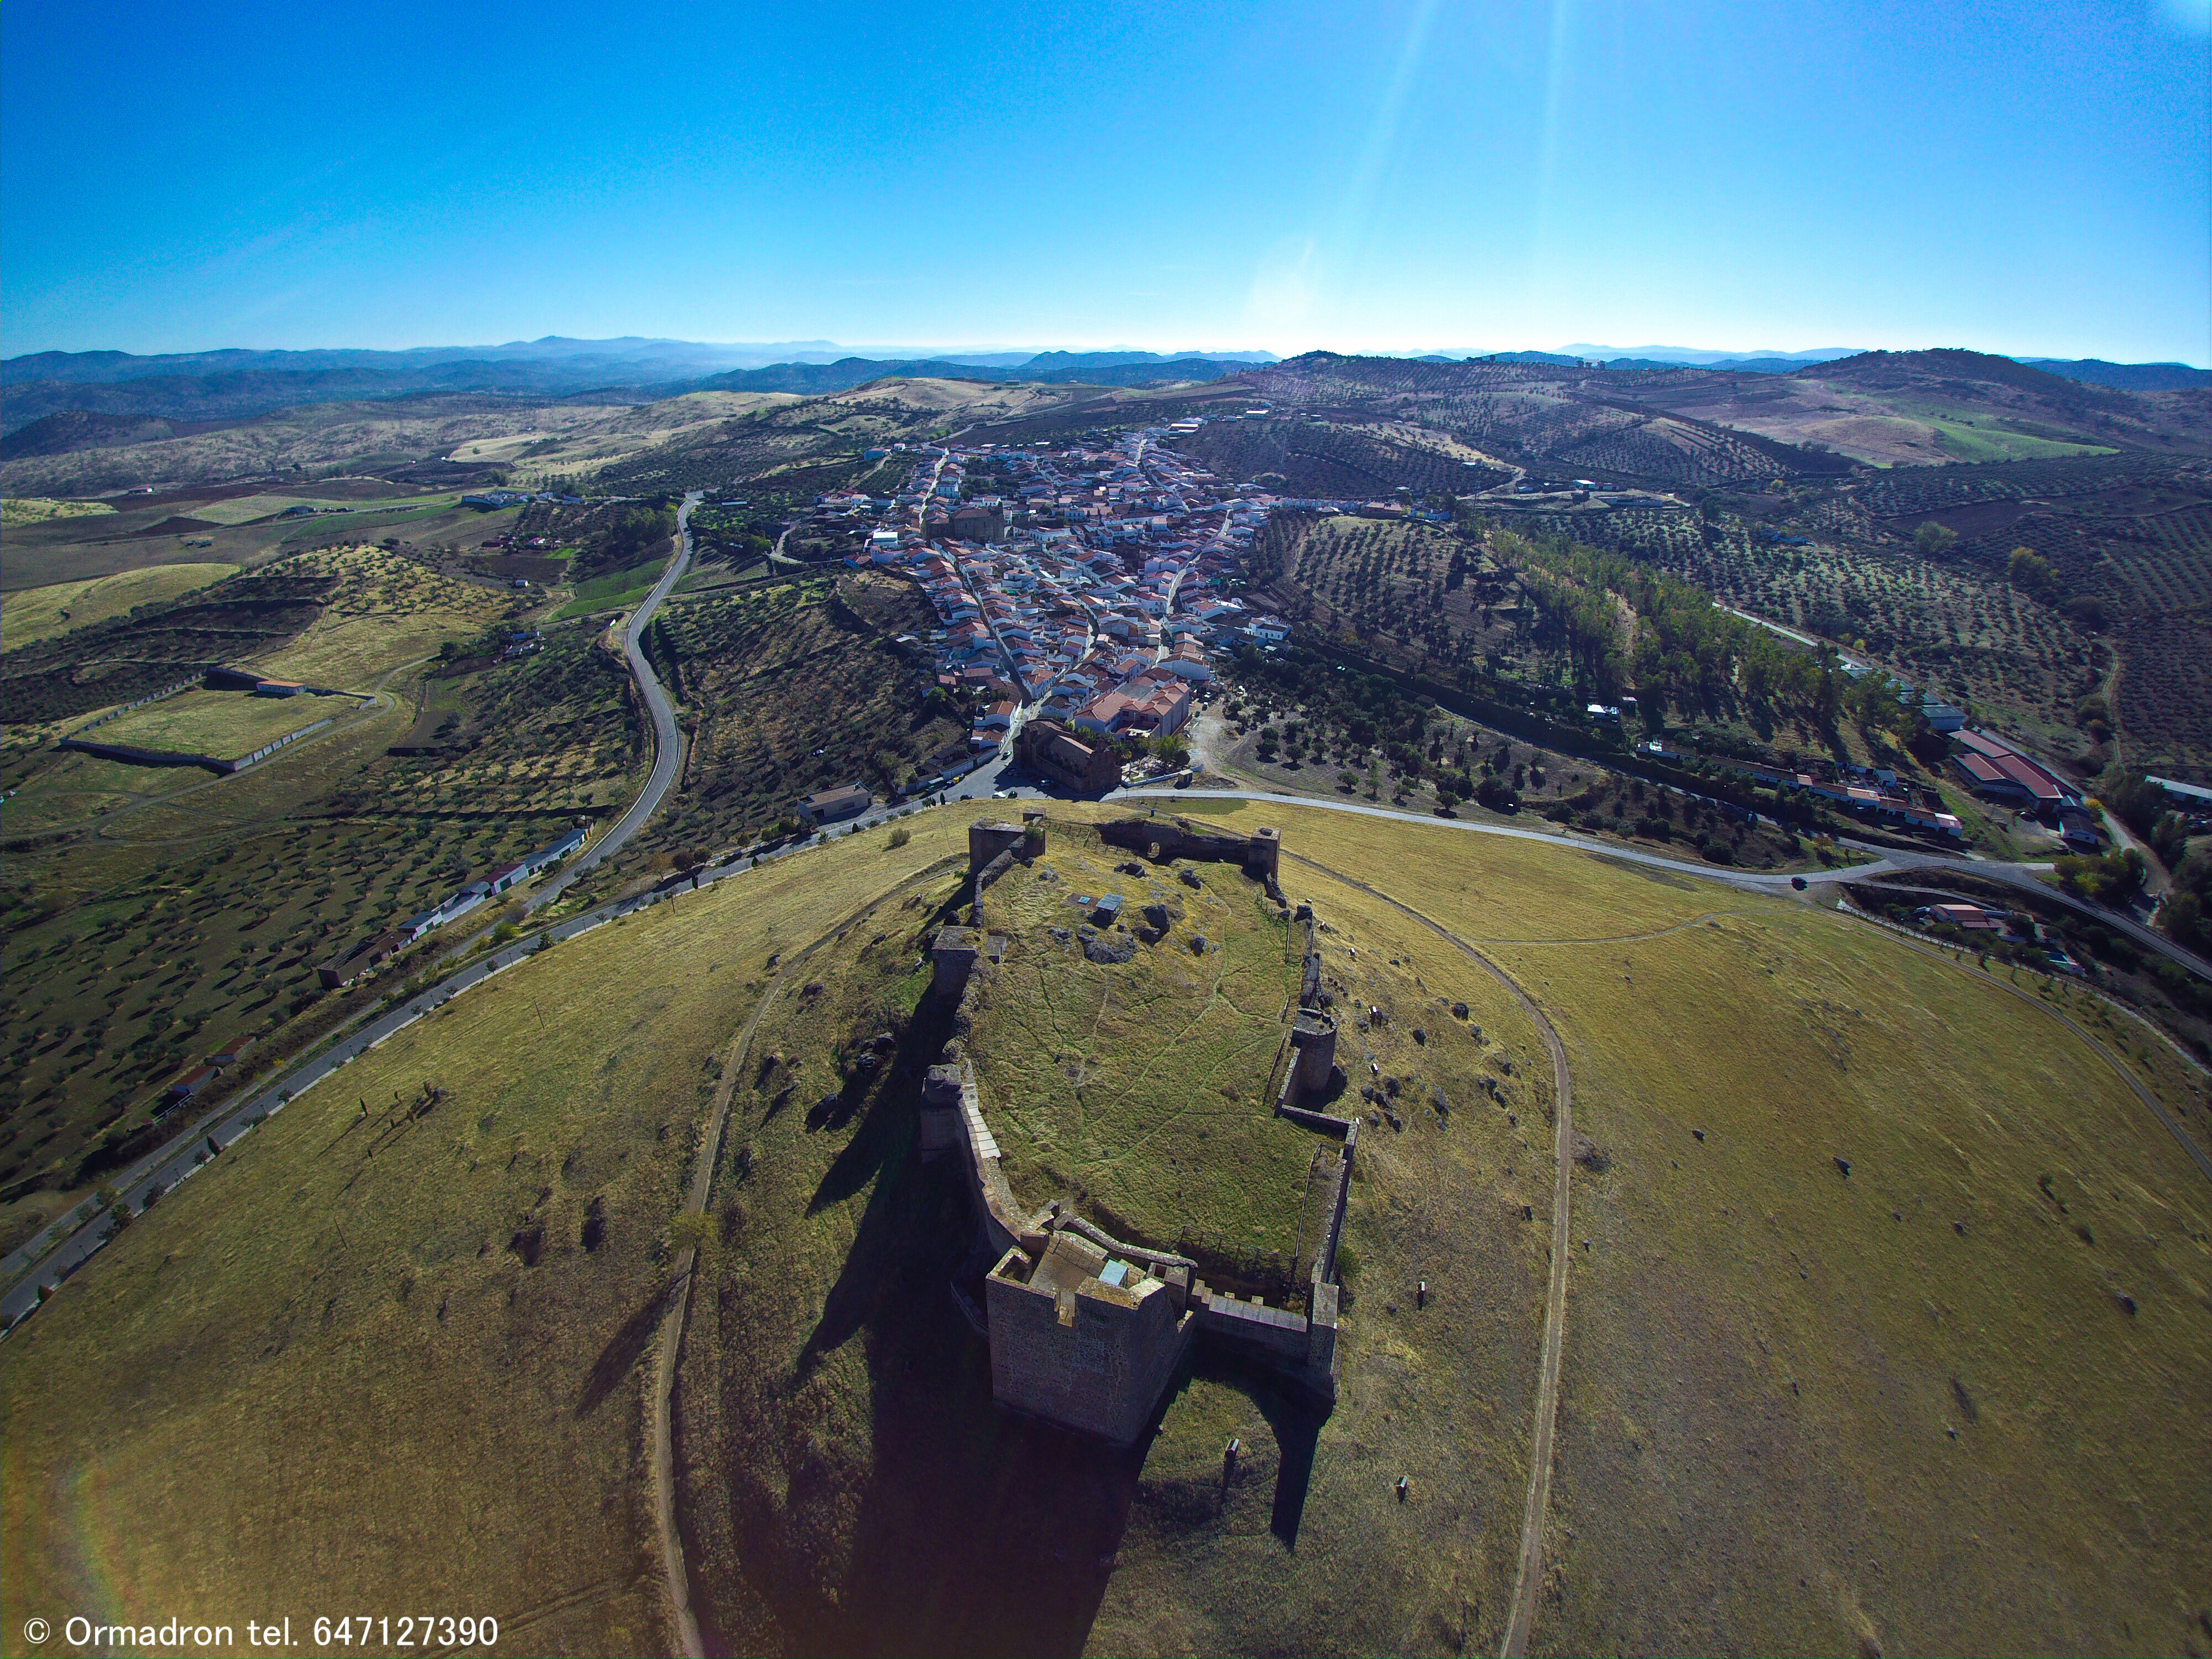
x: 833, y: 806
x: 186, y: 1087
x: 349, y: 965
x: 1994, y: 768
x: 1969, y: 918
x: 2190, y: 797
x: 463, y: 901
x: 245, y: 679
x: 1941, y: 716
x: 545, y: 858
x: 2079, y: 829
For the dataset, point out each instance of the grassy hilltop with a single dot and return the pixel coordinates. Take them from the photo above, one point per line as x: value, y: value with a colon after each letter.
x: 411, y: 1349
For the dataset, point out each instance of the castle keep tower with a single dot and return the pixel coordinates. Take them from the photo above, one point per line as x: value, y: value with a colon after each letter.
x: 1086, y: 1339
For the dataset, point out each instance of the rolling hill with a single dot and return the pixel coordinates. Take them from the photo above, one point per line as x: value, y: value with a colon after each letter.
x: 1919, y: 1259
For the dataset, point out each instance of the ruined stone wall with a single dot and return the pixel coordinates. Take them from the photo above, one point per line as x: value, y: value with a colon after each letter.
x: 1069, y: 1347
x: 1260, y: 853
x: 986, y: 878
x: 1325, y: 1261
x: 950, y: 1099
x: 1166, y: 1261
x: 1275, y: 1333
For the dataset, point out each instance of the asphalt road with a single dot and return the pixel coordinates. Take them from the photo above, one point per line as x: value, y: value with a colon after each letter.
x: 1886, y: 862
x: 78, y: 1232
x: 84, y: 1230
x: 66, y: 1243
x: 667, y: 741
x: 73, y: 1237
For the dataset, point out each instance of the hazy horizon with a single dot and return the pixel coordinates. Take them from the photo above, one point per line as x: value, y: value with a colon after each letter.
x: 766, y: 350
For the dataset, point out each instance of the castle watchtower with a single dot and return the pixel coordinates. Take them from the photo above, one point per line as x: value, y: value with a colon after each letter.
x: 940, y: 1110
x: 986, y: 841
x: 953, y: 954
x: 1263, y: 853
x: 1313, y: 1037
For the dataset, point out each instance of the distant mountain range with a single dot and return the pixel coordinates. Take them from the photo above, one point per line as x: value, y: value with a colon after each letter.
x: 118, y: 391
x: 583, y: 361
x: 2125, y: 377
x: 238, y: 385
x: 2090, y: 371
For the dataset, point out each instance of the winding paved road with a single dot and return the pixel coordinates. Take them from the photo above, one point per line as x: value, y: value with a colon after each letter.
x: 1886, y: 862
x: 667, y: 741
x: 67, y: 1242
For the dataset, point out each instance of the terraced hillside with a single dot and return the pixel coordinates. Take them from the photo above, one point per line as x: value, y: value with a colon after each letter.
x: 1415, y: 589
x: 155, y: 916
x: 790, y: 687
x: 2128, y: 543
x: 334, y: 616
x: 1542, y: 416
x: 1316, y: 459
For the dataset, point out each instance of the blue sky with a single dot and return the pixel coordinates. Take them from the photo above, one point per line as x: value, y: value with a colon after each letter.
x: 2030, y: 178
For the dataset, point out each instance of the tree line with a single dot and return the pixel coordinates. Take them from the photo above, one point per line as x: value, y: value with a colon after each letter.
x: 1621, y: 623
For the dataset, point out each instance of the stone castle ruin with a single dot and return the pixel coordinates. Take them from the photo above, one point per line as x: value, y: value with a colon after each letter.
x: 1087, y: 1330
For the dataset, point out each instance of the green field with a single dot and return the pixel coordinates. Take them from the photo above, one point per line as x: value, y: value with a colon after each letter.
x: 245, y: 509
x: 40, y: 613
x: 1963, y: 439
x: 226, y: 724
x: 1141, y: 1090
x: 617, y: 589
x: 151, y: 915
x: 1903, y: 1408
x: 38, y: 509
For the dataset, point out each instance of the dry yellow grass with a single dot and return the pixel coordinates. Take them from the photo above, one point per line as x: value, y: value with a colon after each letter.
x: 849, y: 1480
x: 318, y: 1375
x: 568, y: 441
x: 1787, y: 1478
x: 1441, y: 1394
x: 40, y: 613
x: 389, y: 611
x: 245, y: 509
x: 1497, y: 890
x: 1765, y: 1356
x: 315, y: 1376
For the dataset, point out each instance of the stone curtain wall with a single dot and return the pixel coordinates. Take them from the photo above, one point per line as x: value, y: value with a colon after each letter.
x: 177, y: 758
